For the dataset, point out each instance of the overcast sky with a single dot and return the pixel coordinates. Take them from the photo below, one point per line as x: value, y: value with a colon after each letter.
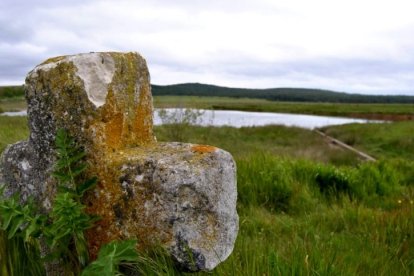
x: 358, y: 46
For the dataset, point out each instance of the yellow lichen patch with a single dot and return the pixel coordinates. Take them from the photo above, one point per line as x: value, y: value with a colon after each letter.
x: 203, y: 148
x: 53, y: 60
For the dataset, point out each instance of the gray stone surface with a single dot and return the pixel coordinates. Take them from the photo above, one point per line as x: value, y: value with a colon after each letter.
x: 180, y: 196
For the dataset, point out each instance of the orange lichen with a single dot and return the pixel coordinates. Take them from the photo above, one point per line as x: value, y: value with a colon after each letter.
x: 203, y: 148
x: 110, y: 195
x: 132, y: 97
x: 113, y: 131
x: 100, y: 202
x: 143, y: 116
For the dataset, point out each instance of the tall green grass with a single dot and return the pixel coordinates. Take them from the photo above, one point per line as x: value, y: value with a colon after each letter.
x: 303, y: 210
x: 390, y: 140
x: 12, y: 98
x: 19, y: 258
x: 12, y: 129
x: 363, y: 227
x: 278, y: 140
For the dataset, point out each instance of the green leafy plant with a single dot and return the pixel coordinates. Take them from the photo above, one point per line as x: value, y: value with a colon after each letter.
x: 70, y: 166
x: 68, y: 216
x: 110, y: 256
x: 63, y: 228
x: 19, y: 247
x: 20, y: 220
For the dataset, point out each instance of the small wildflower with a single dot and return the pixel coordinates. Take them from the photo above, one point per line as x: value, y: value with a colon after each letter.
x: 411, y: 202
x: 399, y: 201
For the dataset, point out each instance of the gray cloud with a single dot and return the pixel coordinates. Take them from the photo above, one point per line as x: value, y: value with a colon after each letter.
x: 234, y: 43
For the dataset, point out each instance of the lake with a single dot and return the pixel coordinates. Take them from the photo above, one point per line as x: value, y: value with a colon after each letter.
x: 245, y: 119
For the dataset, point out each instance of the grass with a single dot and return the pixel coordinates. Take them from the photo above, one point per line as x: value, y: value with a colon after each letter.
x: 378, y: 111
x: 18, y: 258
x: 12, y: 129
x: 305, y: 207
x: 394, y: 140
x: 11, y: 91
x: 277, y: 140
x: 13, y: 104
x: 12, y: 98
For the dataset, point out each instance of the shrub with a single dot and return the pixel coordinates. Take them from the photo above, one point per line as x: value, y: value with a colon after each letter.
x: 375, y: 179
x: 11, y: 91
x: 333, y: 181
x: 177, y: 121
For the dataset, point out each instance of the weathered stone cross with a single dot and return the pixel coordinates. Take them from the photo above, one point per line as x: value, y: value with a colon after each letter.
x: 182, y: 196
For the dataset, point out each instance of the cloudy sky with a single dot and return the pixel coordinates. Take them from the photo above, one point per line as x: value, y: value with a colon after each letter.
x: 357, y: 46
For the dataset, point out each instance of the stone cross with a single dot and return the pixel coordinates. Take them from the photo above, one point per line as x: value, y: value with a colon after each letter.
x: 180, y: 196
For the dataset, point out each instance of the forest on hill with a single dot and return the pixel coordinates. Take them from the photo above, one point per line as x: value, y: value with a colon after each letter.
x: 276, y: 94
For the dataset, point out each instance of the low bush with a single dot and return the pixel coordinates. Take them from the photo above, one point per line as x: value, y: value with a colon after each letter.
x: 11, y: 91
x: 333, y: 181
x: 287, y: 185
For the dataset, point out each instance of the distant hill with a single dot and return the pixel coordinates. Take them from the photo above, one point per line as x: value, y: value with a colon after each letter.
x: 275, y: 94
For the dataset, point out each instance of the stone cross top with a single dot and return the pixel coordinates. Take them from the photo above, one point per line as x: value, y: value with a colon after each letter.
x: 182, y: 196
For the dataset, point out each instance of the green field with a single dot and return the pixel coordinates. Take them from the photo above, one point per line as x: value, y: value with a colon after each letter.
x: 386, y: 141
x: 12, y: 129
x: 370, y: 111
x: 12, y: 98
x: 379, y: 111
x: 306, y: 207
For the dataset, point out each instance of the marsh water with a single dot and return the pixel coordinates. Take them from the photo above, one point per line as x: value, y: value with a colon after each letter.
x: 246, y: 119
x: 242, y: 118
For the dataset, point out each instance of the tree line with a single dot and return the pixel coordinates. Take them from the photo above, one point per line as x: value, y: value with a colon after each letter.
x: 276, y: 94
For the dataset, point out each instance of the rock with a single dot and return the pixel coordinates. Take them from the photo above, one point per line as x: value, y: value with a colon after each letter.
x: 67, y: 92
x: 180, y: 196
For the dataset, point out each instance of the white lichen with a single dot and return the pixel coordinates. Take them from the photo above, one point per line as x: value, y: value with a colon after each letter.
x: 139, y: 178
x: 25, y: 165
x: 95, y: 69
